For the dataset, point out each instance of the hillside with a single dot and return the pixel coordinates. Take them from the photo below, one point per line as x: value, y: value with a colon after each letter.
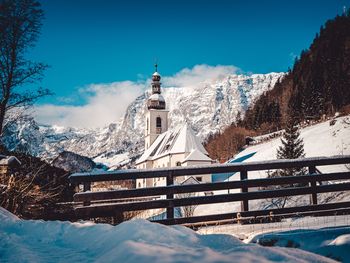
x: 321, y: 139
x: 317, y: 86
x: 319, y: 82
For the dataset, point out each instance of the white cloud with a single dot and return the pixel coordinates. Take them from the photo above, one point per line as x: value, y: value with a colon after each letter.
x: 106, y: 103
x: 199, y: 73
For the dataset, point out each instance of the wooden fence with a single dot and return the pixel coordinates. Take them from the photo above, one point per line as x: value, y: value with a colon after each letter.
x: 113, y: 203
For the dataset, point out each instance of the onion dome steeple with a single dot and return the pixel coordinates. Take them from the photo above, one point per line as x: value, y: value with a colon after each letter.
x: 156, y: 100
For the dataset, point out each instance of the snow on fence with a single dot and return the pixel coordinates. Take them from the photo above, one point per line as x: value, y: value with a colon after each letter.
x: 115, y: 202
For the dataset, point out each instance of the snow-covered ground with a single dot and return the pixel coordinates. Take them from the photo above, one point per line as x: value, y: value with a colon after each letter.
x: 328, y: 236
x: 132, y: 241
x: 319, y: 140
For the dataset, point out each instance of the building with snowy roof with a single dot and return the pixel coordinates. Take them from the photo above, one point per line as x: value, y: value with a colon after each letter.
x: 168, y: 148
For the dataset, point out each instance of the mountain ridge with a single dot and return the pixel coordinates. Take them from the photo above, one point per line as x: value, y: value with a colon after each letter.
x: 209, y: 107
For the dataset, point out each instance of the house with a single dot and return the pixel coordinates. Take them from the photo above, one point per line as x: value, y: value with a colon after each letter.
x: 7, y: 166
x: 168, y: 148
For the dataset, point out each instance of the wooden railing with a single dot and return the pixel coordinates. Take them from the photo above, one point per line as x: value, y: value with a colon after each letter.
x: 115, y: 202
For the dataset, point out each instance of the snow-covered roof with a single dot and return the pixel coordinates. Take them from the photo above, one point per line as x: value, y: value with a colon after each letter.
x: 196, y: 155
x: 190, y: 180
x: 156, y: 96
x: 180, y: 140
x: 156, y: 74
x: 9, y: 160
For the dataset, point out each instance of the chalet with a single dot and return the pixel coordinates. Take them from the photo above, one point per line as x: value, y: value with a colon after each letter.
x: 7, y: 166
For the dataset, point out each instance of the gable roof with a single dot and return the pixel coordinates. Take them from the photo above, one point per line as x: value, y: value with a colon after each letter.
x: 180, y: 140
x: 190, y: 180
x: 9, y: 160
x: 196, y: 155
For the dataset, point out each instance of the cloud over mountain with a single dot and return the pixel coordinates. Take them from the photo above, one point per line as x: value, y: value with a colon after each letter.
x: 107, y: 102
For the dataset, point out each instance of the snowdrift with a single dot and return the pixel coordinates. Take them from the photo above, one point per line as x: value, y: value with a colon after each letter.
x: 331, y: 242
x: 132, y: 241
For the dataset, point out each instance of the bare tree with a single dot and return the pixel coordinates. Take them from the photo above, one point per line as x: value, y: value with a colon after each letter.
x: 20, y: 23
x: 20, y: 191
x: 187, y: 211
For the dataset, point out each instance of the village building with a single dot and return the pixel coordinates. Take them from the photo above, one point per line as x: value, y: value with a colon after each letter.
x: 168, y: 148
x: 8, y: 164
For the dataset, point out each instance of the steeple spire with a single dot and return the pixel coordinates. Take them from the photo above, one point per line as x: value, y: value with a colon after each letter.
x: 156, y: 100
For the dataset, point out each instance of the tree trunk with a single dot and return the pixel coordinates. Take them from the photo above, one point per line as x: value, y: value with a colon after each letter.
x: 2, y: 119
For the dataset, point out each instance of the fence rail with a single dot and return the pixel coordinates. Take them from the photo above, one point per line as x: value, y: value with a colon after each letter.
x: 298, y: 185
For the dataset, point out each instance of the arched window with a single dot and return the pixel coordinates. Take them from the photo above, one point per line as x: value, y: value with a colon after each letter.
x: 159, y: 122
x: 139, y: 185
x: 147, y: 124
x: 178, y: 163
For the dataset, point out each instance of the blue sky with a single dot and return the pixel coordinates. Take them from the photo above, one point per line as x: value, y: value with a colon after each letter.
x: 102, y: 41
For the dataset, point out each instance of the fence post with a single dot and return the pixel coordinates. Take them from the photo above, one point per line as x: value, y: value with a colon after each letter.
x: 244, y: 189
x: 170, y: 210
x: 86, y: 187
x: 312, y: 172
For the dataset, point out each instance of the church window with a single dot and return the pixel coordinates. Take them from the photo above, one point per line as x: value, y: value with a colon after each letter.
x: 159, y: 122
x: 139, y: 185
x: 147, y: 124
x: 178, y: 163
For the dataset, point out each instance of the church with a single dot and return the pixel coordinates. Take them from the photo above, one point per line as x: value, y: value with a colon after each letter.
x: 168, y: 148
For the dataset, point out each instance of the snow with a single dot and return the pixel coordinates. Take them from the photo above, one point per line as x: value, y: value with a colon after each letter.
x: 131, y: 241
x: 331, y: 242
x: 328, y: 236
x: 196, y: 155
x: 319, y: 140
x: 114, y: 160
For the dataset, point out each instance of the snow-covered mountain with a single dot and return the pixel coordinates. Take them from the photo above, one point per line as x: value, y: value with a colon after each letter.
x: 209, y: 107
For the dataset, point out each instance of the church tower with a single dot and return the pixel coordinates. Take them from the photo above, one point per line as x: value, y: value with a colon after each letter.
x: 156, y: 114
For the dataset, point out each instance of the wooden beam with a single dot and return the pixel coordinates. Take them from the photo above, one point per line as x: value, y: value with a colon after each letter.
x: 178, y: 189
x: 107, y: 210
x: 244, y: 189
x: 312, y: 172
x: 256, y: 213
x: 170, y: 208
x: 207, y: 169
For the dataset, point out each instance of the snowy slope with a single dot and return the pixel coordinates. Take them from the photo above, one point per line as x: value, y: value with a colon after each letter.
x: 208, y: 106
x: 319, y: 140
x: 132, y: 241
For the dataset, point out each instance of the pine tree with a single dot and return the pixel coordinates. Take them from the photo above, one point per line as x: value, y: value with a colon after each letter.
x: 292, y: 145
x: 292, y: 148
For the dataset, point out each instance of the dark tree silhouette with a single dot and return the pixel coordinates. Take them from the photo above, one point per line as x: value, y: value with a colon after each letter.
x: 20, y: 23
x: 292, y: 148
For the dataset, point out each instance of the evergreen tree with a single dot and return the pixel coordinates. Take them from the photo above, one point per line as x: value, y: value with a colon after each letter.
x: 292, y: 148
x: 292, y: 145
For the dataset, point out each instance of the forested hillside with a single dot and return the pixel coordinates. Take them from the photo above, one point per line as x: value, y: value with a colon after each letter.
x: 318, y: 85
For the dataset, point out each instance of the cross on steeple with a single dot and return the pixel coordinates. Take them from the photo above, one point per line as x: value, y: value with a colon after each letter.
x: 156, y: 66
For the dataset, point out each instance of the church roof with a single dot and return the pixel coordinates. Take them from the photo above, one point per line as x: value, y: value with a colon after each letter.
x: 156, y: 74
x: 9, y: 160
x: 196, y: 155
x: 180, y: 140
